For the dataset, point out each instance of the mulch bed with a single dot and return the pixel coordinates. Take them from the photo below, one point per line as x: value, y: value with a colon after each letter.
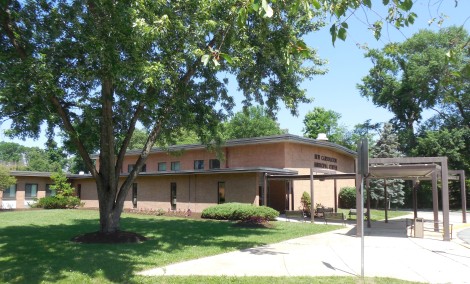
x: 118, y: 237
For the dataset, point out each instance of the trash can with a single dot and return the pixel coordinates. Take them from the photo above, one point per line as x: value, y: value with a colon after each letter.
x: 419, y: 227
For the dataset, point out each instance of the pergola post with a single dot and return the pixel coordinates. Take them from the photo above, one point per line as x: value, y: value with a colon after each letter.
x: 445, y: 198
x: 386, y: 200
x: 312, y: 205
x: 435, y: 201
x: 464, y: 196
x: 336, y: 196
x: 368, y: 202
x: 415, y: 198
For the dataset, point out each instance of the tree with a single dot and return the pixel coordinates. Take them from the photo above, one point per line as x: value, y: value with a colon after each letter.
x: 387, y: 147
x: 12, y: 154
x: 320, y: 120
x: 252, y: 122
x: 95, y: 69
x: 417, y: 74
x: 5, y: 178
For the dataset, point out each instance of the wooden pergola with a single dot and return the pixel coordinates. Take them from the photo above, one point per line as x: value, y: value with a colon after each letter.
x: 415, y: 169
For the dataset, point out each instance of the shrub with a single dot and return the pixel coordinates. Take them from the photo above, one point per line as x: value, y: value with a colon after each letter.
x: 58, y: 202
x: 347, y: 197
x: 239, y: 212
x: 64, y: 197
x: 306, y: 202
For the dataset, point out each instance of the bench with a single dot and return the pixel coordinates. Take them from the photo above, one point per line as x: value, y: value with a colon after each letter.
x: 334, y: 216
x: 353, y: 212
x: 296, y: 215
x: 320, y: 212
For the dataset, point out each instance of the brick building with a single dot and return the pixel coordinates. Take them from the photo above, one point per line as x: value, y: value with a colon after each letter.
x: 191, y: 177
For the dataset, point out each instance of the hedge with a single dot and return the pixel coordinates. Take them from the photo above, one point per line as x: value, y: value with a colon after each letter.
x: 239, y: 212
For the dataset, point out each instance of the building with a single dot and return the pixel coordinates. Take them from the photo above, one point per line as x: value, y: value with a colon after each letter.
x: 192, y: 177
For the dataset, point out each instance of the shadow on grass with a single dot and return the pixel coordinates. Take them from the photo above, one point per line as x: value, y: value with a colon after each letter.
x: 33, y: 254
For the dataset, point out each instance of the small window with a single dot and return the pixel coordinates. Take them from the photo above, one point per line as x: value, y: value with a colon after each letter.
x: 31, y: 190
x: 175, y: 166
x: 162, y: 167
x: 130, y: 167
x: 49, y: 191
x: 10, y: 192
x: 214, y: 164
x: 198, y: 164
x: 221, y: 193
x: 134, y: 195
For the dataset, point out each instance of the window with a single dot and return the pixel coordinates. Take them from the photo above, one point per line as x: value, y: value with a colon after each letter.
x: 49, y: 191
x: 134, y: 195
x: 10, y: 192
x: 162, y: 167
x: 130, y: 167
x: 31, y: 190
x: 173, y: 195
x: 198, y: 164
x: 221, y: 192
x: 79, y: 191
x: 175, y: 166
x: 214, y: 164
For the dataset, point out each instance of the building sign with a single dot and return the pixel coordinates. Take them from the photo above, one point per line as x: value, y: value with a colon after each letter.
x: 325, y: 162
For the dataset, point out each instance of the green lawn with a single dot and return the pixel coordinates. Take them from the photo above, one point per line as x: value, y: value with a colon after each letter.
x: 35, y: 248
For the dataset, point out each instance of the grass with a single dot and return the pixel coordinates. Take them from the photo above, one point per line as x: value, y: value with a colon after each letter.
x: 377, y: 215
x: 35, y: 247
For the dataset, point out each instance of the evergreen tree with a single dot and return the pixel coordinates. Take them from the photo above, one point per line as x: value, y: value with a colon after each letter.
x: 387, y: 147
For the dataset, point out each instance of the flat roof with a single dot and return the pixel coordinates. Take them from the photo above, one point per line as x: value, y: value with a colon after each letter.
x: 170, y: 173
x: 253, y: 141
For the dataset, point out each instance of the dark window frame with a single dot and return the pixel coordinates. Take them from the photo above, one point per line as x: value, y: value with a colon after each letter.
x: 7, y: 192
x: 161, y: 169
x: 199, y: 164
x: 221, y: 194
x: 50, y: 192
x: 173, y: 166
x: 29, y: 195
x: 173, y: 195
x: 214, y: 164
x: 134, y: 195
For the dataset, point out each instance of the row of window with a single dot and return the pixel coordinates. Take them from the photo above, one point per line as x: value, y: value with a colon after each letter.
x: 176, y: 165
x: 30, y: 191
x: 220, y: 194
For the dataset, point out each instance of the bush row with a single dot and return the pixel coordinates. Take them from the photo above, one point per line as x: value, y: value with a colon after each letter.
x: 239, y: 212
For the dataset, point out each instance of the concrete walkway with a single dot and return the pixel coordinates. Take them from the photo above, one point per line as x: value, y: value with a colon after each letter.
x: 389, y: 252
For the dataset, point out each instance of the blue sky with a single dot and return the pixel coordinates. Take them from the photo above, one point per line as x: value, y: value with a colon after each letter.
x: 337, y: 89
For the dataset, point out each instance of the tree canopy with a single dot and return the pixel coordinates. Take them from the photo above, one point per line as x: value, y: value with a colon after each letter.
x: 5, y: 178
x: 410, y: 77
x: 252, y: 122
x: 93, y: 69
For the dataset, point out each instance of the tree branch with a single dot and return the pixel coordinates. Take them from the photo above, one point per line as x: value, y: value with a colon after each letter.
x: 9, y: 28
x: 63, y: 114
x: 130, y: 132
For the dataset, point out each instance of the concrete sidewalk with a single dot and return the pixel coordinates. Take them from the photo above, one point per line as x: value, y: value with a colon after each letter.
x: 389, y: 252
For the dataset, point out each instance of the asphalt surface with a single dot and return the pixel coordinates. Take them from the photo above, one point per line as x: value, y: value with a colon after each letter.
x: 389, y: 251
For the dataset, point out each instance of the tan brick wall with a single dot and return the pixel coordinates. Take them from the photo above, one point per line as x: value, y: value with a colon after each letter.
x: 266, y: 155
x: 303, y: 156
x: 195, y: 192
